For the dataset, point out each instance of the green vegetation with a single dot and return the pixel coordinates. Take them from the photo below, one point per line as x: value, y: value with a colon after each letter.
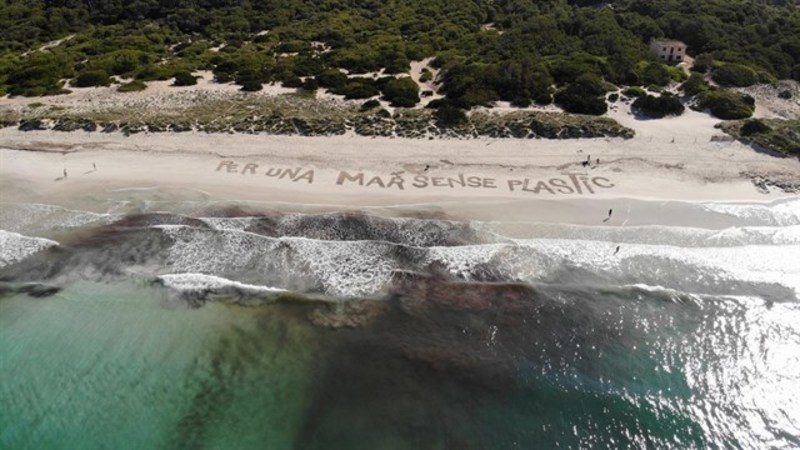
x: 695, y: 85
x: 370, y: 104
x: 726, y: 104
x: 184, y: 78
x: 357, y: 89
x: 133, y: 86
x: 754, y: 126
x: 541, y: 46
x: 293, y: 115
x: 658, y: 107
x: 401, y: 92
x: 735, y: 75
x: 92, y: 78
x: 777, y: 135
x: 449, y: 116
x: 585, y: 96
x: 634, y: 91
x: 426, y: 75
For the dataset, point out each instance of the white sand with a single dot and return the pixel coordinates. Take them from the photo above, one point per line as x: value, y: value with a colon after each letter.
x: 649, y: 166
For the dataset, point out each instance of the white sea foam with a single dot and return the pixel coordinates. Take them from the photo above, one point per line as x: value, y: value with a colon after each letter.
x: 353, y: 268
x: 781, y: 213
x: 200, y: 281
x: 14, y: 246
x: 679, y: 265
x: 342, y: 268
x: 33, y: 217
x: 664, y: 235
x: 682, y: 258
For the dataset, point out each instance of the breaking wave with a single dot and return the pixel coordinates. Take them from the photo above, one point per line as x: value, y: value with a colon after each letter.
x: 15, y: 247
x: 353, y: 254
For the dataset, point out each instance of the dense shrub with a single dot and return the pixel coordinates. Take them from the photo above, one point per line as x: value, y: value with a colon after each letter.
x: 658, y: 107
x: 754, y: 126
x: 310, y: 84
x: 696, y: 84
x: 332, y: 78
x: 726, y: 104
x: 92, y: 78
x: 585, y: 96
x: 356, y: 90
x: 482, y: 84
x: 184, y: 78
x: 370, y: 104
x: 736, y: 75
x: 155, y: 72
x: 634, y: 91
x: 703, y: 63
x: 425, y: 75
x: 133, y: 86
x: 544, y: 44
x: 655, y: 74
x: 521, y: 102
x: 401, y: 92
x: 293, y: 82
x: 252, y: 85
x: 250, y: 79
x: 449, y: 116
x: 39, y: 74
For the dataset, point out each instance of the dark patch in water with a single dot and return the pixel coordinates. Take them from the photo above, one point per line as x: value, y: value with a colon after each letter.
x: 34, y: 290
x: 475, y: 365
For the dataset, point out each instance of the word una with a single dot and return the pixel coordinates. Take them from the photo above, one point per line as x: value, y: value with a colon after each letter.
x: 294, y: 174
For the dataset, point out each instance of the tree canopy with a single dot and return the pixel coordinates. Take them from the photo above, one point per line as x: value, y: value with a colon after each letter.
x: 513, y: 50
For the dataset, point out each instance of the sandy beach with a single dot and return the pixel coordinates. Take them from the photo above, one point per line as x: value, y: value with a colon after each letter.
x: 682, y: 159
x: 673, y: 159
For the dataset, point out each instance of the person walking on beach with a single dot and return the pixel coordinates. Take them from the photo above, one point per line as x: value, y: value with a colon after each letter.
x: 617, y: 250
x: 65, y: 173
x: 610, y: 211
x: 94, y: 166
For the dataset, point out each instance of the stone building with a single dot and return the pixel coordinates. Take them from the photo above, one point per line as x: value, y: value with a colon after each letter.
x: 668, y: 50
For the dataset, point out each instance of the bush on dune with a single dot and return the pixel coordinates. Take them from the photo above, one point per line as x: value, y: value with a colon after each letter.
x: 184, y: 78
x: 734, y: 75
x: 634, y: 91
x: 696, y: 84
x: 403, y: 92
x: 449, y: 116
x: 726, y: 104
x: 92, y: 78
x: 584, y: 96
x: 754, y: 126
x: 658, y: 107
x: 133, y: 86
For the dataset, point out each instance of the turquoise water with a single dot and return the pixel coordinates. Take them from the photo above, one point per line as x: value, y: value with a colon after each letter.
x: 123, y: 365
x: 110, y: 366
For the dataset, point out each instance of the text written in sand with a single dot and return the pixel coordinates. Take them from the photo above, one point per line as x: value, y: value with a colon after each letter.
x: 569, y: 183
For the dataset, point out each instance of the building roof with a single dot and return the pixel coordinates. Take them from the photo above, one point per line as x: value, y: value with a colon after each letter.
x: 667, y: 42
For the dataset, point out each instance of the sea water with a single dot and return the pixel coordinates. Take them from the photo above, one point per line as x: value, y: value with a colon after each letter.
x: 187, y: 325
